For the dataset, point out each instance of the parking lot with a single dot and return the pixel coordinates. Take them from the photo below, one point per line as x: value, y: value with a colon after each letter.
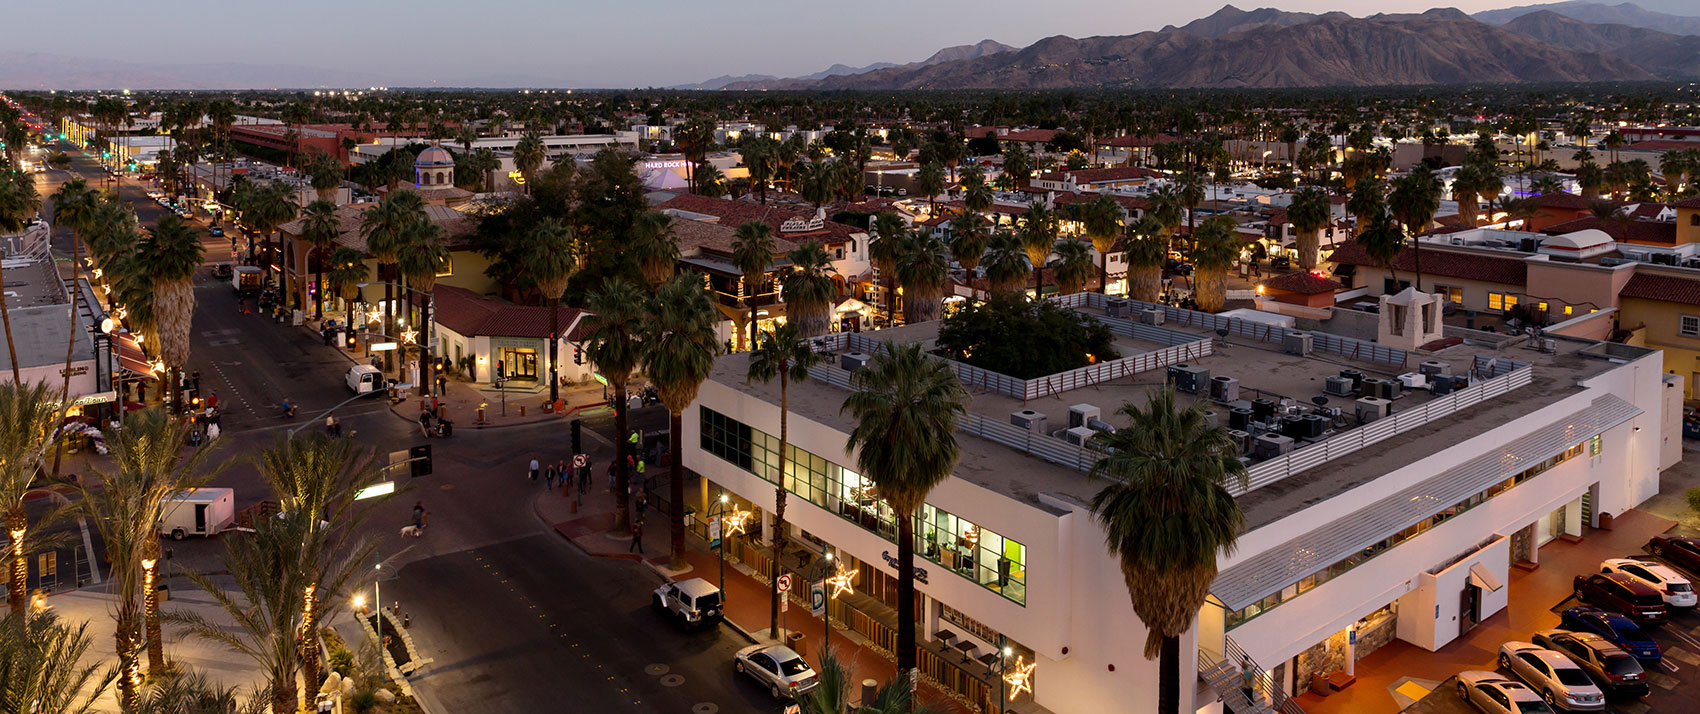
x: 1675, y: 680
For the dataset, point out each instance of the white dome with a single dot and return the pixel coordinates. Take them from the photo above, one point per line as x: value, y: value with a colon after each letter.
x: 435, y: 156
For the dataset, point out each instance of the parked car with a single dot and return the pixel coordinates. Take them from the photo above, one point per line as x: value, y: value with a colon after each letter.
x: 1616, y: 591
x: 1617, y: 629
x: 1561, y: 684
x: 778, y: 668
x: 1492, y: 693
x: 1612, y: 668
x: 690, y: 602
x: 1676, y: 590
x: 215, y: 232
x: 1681, y: 552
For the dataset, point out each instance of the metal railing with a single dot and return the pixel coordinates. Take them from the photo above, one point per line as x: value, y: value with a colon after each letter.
x: 1278, y: 700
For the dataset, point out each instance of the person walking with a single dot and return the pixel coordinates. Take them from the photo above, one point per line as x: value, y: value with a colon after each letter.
x: 418, y: 514
x: 640, y: 473
x: 584, y: 477
x: 212, y: 401
x: 637, y: 537
x: 642, y: 504
x: 195, y: 378
x: 534, y: 468
x: 549, y: 477
x: 611, y: 473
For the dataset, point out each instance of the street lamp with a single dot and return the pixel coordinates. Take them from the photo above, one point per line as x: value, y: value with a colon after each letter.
x: 728, y: 524
x: 842, y: 581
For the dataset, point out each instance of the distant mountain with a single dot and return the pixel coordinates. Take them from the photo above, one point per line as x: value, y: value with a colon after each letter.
x: 839, y: 69
x: 982, y: 48
x: 979, y: 49
x: 1623, y: 14
x: 40, y: 70
x: 1230, y: 19
x: 1674, y: 56
x: 723, y: 80
x: 1441, y: 46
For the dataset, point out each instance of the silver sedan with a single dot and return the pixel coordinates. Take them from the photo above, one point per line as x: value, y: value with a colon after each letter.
x: 1561, y: 683
x: 778, y: 668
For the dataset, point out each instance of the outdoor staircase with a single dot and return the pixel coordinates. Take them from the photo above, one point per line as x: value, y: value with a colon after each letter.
x: 1223, y: 677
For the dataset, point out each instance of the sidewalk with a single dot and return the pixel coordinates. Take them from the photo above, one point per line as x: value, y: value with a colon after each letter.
x: 747, y: 598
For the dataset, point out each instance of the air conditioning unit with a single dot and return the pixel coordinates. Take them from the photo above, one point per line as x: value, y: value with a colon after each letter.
x: 1224, y: 389
x: 1413, y: 380
x: 1118, y: 307
x: 1431, y: 367
x: 1440, y: 384
x: 1298, y: 343
x: 1079, y: 435
x: 1268, y: 446
x: 1370, y: 387
x: 1293, y: 426
x: 1337, y: 386
x: 1242, y: 438
x: 1212, y: 419
x: 1152, y: 316
x: 1356, y: 376
x: 1239, y: 418
x: 1315, y: 425
x: 1188, y: 379
x: 1389, y: 389
x: 1373, y: 408
x: 1082, y: 415
x: 853, y: 361
x: 1029, y: 420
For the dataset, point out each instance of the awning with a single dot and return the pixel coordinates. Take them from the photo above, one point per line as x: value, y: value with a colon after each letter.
x: 131, y: 357
x: 1482, y: 578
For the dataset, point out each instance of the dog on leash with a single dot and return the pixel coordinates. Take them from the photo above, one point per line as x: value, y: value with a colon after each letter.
x: 412, y: 530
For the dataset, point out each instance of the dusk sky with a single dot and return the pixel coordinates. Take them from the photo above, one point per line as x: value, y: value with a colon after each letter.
x: 585, y: 44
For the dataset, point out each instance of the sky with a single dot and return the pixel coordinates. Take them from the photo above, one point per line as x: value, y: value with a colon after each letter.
x: 549, y: 43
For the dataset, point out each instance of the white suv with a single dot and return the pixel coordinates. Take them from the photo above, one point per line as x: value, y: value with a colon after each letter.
x: 690, y: 602
x: 1675, y: 589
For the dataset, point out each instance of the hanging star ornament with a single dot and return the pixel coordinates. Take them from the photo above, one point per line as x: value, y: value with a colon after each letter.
x: 1020, y: 679
x: 373, y: 316
x: 409, y: 336
x: 842, y: 582
x: 735, y: 522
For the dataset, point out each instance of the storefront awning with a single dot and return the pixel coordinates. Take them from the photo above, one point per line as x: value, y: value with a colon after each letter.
x: 1482, y: 578
x: 131, y: 357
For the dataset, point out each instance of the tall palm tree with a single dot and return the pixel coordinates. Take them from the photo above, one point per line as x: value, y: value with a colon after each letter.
x: 424, y: 256
x: 148, y: 468
x: 1102, y: 218
x: 782, y: 353
x: 552, y: 257
x: 325, y: 175
x: 695, y: 138
x: 386, y: 229
x: 79, y: 209
x: 905, y: 407
x: 923, y: 269
x: 816, y: 182
x: 1368, y: 201
x: 752, y: 255
x: 1310, y: 212
x: 18, y: 202
x: 1074, y: 265
x: 347, y: 272
x: 929, y: 180
x: 654, y: 247
x: 1189, y: 190
x: 1038, y: 235
x: 679, y: 352
x: 1168, y: 209
x: 528, y: 157
x: 1167, y: 516
x: 976, y: 193
x: 1005, y: 263
x: 614, y: 343
x: 1146, y: 251
x: 29, y: 420
x: 41, y: 665
x: 1413, y: 199
x: 969, y: 236
x: 1217, y: 247
x: 271, y: 206
x: 1382, y: 241
x: 809, y: 290
x: 170, y: 253
x: 320, y: 227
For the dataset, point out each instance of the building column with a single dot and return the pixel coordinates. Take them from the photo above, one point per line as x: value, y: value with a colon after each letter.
x: 766, y: 527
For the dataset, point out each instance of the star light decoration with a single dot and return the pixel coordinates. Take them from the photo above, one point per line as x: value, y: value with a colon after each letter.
x: 842, y: 582
x: 1020, y: 678
x: 735, y: 522
x: 409, y: 337
x: 372, y: 316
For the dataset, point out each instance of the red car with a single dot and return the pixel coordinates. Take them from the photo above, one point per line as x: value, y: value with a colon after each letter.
x: 1616, y: 591
x: 1681, y: 552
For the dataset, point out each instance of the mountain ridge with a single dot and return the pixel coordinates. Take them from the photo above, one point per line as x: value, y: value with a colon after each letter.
x: 1599, y: 13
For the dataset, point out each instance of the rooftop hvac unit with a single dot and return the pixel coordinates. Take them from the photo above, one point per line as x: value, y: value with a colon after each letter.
x: 1298, y: 343
x: 1315, y: 425
x: 1460, y: 381
x: 1549, y: 345
x: 1029, y: 420
x: 1389, y: 389
x: 1188, y: 379
x: 1152, y: 316
x: 1079, y: 435
x: 1440, y: 384
x: 1224, y: 389
x: 1081, y: 414
x: 1356, y: 376
x: 1373, y: 408
x: 1337, y: 386
x: 1241, y: 438
x: 1293, y: 426
x: 1262, y: 409
x: 1431, y: 367
x: 1369, y: 387
x: 853, y: 361
x: 1268, y: 446
x: 1117, y: 307
x: 1239, y: 418
x: 1413, y: 380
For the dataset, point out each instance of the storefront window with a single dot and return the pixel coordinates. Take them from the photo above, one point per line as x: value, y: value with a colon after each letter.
x: 997, y: 563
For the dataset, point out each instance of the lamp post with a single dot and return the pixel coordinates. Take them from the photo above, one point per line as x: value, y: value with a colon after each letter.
x: 427, y: 372
x: 842, y: 581
x: 729, y: 524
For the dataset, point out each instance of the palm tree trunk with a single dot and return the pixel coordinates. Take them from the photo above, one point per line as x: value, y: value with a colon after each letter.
x: 622, y: 479
x: 384, y: 272
x: 285, y: 267
x: 310, y: 644
x: 17, y: 523
x: 752, y: 343
x: 905, y: 594
x: 554, y: 343
x: 676, y: 490
x: 319, y: 286
x: 779, y: 501
x: 428, y: 368
x: 283, y: 691
x: 1104, y: 273
x: 129, y: 668
x: 1169, y: 677
x: 150, y: 606
x: 11, y: 346
x: 70, y: 346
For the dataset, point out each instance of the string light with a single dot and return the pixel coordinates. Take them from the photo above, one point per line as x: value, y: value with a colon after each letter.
x: 1020, y: 679
x: 735, y: 522
x: 842, y: 582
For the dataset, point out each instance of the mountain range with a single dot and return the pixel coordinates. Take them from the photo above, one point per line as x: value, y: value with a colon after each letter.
x: 1623, y: 14
x: 761, y: 81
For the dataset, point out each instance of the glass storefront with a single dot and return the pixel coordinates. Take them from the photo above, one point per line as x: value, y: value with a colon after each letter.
x: 997, y: 563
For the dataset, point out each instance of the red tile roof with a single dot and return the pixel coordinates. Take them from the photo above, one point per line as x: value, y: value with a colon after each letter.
x: 1118, y: 173
x: 716, y: 237
x: 1692, y: 202
x: 471, y: 314
x: 1032, y: 136
x: 1487, y: 268
x: 1660, y: 232
x: 1303, y: 283
x: 1129, y: 141
x: 975, y: 132
x: 1564, y: 200
x: 735, y: 212
x: 1666, y: 288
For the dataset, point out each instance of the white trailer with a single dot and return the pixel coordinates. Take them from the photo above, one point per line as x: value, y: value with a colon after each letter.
x: 199, y: 511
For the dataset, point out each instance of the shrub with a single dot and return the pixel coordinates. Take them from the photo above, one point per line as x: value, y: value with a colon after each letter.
x: 1022, y: 339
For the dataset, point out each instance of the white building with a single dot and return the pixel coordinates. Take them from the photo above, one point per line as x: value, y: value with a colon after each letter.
x: 1355, y: 520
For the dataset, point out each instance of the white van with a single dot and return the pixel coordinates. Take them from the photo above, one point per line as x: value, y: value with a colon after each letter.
x: 364, y: 379
x: 198, y: 511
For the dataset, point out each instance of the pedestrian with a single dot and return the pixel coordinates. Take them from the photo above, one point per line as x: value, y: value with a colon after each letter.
x: 640, y: 473
x: 1248, y: 680
x: 419, y: 514
x: 611, y: 473
x: 212, y: 401
x: 642, y: 504
x: 637, y: 537
x: 549, y: 477
x: 584, y: 478
x: 195, y: 378
x: 534, y: 468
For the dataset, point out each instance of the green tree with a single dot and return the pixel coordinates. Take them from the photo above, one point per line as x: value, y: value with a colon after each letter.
x: 325, y: 175
x: 654, y: 247
x: 424, y: 256
x: 1413, y: 199
x: 816, y: 182
x: 809, y: 290
x: 1167, y: 516
x: 1368, y: 200
x: 1382, y: 241
x: 1005, y: 263
x: 1023, y: 339
x: 1310, y: 212
x: 1017, y: 167
x: 18, y: 202
x: 348, y: 271
x: 528, y: 157
x: 320, y: 227
x: 752, y: 255
x: 1102, y: 219
x: 969, y: 237
x: 1189, y: 191
x: 29, y: 417
x: 170, y: 253
x: 680, y: 351
x: 922, y: 269
x: 271, y: 206
x: 554, y: 257
x: 1147, y: 249
x: 1168, y: 209
x: 386, y: 228
x: 884, y: 251
x: 929, y: 180
x: 1074, y: 266
x: 41, y: 666
x: 784, y: 353
x: 1038, y: 234
x: 614, y: 343
x: 905, y: 407
x: 832, y: 695
x: 695, y: 137
x: 1217, y: 246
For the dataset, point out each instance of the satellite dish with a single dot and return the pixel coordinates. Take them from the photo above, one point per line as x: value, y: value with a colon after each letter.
x: 1319, y: 400
x: 1222, y: 332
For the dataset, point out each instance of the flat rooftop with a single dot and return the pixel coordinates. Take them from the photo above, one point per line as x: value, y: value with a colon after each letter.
x: 1264, y: 370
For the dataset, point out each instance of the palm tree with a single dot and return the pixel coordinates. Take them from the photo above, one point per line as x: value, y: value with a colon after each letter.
x: 1216, y: 248
x: 929, y: 180
x: 905, y: 407
x: 695, y: 138
x: 320, y: 228
x: 1368, y: 201
x: 680, y: 348
x: 832, y: 695
x: 1167, y: 516
x: 809, y: 291
x: 969, y: 237
x: 271, y: 206
x: 752, y: 255
x: 18, y: 202
x: 1413, y: 199
x: 1310, y: 212
x: 528, y: 157
x: 817, y: 181
x: 148, y: 468
x: 1382, y: 241
x: 1074, y: 266
x: 552, y: 257
x: 347, y: 272
x: 759, y: 161
x: 1005, y: 263
x: 711, y: 182
x: 654, y: 247
x: 40, y: 666
x: 29, y: 420
x: 784, y: 353
x: 170, y: 253
x: 386, y: 229
x: 976, y: 193
x: 77, y: 208
x: 884, y: 251
x: 1167, y: 209
x: 1038, y: 234
x: 1102, y: 218
x: 1189, y: 191
x: 325, y: 175
x: 1147, y: 250
x: 922, y: 269
x: 614, y: 343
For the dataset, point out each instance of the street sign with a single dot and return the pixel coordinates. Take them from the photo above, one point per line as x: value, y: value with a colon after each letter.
x: 817, y: 598
x: 784, y: 604
x: 784, y: 584
x: 579, y: 461
x: 381, y: 347
x: 381, y: 489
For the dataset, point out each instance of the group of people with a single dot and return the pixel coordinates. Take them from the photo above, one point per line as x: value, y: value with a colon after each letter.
x: 569, y: 475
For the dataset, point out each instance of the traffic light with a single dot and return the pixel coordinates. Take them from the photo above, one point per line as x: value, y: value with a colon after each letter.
x: 577, y: 427
x: 350, y: 338
x: 421, y: 460
x: 578, y: 356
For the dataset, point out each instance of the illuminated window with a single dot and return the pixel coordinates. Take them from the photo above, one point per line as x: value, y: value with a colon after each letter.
x: 1568, y: 309
x: 1541, y: 307
x: 1501, y: 301
x: 1454, y: 295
